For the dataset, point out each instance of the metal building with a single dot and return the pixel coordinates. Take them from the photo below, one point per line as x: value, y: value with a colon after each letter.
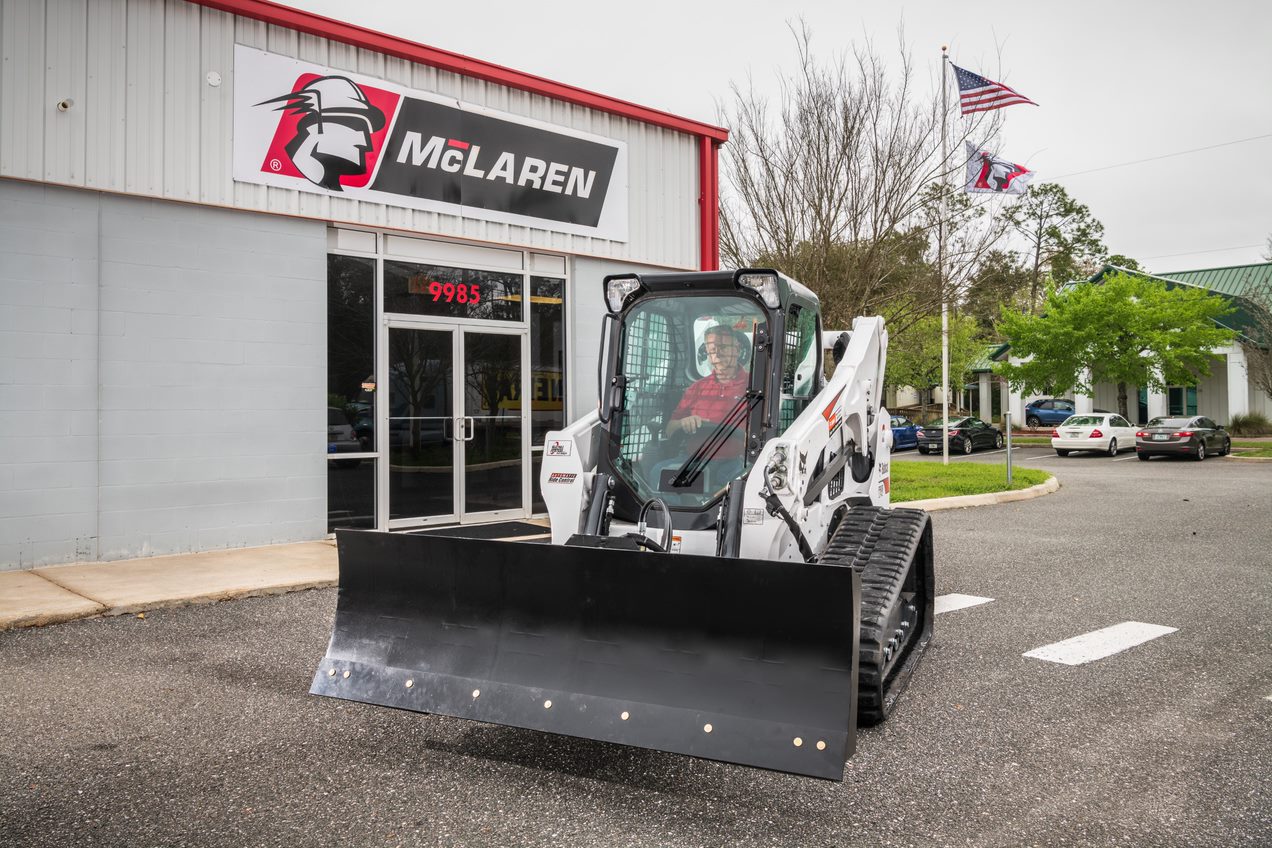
x: 264, y: 274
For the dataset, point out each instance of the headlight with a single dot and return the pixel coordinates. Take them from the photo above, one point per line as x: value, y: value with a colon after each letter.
x: 617, y: 289
x: 765, y: 285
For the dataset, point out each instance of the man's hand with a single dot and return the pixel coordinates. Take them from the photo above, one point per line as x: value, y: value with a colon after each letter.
x: 688, y: 424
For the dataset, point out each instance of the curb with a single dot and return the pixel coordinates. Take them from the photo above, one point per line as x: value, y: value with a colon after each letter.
x: 1249, y: 458
x: 986, y: 499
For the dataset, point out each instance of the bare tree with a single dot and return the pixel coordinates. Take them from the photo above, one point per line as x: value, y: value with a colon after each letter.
x: 839, y: 185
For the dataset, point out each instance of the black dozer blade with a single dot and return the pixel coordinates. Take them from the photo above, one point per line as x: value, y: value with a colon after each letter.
x: 744, y: 661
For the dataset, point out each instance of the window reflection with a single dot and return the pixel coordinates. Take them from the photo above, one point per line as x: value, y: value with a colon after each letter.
x: 351, y: 344
x: 438, y: 290
x: 547, y: 356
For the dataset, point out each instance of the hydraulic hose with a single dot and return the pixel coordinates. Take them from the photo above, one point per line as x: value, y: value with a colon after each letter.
x: 775, y: 508
x: 664, y: 546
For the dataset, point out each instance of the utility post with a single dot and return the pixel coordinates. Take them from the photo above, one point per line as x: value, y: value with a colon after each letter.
x: 1007, y: 427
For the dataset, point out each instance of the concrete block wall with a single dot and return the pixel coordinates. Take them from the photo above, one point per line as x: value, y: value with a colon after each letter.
x: 48, y: 375
x: 162, y: 377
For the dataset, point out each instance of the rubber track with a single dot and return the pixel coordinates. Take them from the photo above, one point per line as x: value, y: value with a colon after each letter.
x: 880, y: 545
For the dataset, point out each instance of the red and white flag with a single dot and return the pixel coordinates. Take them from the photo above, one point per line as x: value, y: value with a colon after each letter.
x: 989, y: 174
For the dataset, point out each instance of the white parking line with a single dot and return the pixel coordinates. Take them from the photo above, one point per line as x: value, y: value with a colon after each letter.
x: 1125, y: 458
x: 1099, y: 644
x: 955, y: 601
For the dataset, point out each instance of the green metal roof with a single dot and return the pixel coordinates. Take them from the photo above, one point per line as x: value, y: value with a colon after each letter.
x: 1234, y: 280
x: 988, y: 357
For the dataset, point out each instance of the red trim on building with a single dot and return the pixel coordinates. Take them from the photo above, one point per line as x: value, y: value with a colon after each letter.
x: 709, y: 203
x: 346, y: 33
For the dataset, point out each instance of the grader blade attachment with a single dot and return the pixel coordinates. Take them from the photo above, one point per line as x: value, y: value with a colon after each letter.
x: 743, y: 661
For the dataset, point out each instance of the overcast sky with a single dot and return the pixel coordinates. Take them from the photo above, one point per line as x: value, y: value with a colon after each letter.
x: 1116, y: 82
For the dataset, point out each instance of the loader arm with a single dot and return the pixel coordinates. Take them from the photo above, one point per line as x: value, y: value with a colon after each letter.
x: 834, y: 454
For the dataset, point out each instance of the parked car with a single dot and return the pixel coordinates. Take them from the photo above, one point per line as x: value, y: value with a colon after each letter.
x: 1046, y: 411
x: 905, y: 433
x: 341, y: 437
x: 966, y: 435
x: 1104, y: 432
x: 1195, y: 437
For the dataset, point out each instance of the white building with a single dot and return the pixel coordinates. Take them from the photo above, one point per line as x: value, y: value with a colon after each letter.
x: 263, y: 274
x: 1227, y: 390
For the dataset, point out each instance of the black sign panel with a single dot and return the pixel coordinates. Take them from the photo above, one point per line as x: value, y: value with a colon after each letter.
x: 438, y: 152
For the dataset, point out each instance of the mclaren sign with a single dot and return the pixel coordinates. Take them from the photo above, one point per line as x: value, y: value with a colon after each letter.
x: 315, y: 129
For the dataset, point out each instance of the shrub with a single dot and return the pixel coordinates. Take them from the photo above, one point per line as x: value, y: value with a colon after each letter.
x: 1253, y: 424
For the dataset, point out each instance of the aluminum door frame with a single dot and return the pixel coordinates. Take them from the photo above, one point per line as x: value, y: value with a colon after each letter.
x: 457, y: 331
x: 383, y: 522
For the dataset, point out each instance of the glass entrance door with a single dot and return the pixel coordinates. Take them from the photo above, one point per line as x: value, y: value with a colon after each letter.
x: 420, y: 430
x: 455, y: 427
x: 494, y: 426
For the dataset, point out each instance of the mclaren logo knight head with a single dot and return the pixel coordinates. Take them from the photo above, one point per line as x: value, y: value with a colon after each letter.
x: 334, y: 132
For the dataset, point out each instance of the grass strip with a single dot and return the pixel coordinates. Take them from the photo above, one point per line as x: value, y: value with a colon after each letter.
x: 1264, y: 450
x: 913, y: 481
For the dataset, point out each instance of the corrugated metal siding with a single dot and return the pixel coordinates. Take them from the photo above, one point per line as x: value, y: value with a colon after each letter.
x: 145, y: 121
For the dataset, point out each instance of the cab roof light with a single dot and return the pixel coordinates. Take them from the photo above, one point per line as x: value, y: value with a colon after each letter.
x: 617, y: 290
x: 763, y: 284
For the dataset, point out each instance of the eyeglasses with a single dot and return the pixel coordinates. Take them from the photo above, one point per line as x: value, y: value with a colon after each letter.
x: 713, y: 349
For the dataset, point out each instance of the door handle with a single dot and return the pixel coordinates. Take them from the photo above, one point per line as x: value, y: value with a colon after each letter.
x: 470, y: 428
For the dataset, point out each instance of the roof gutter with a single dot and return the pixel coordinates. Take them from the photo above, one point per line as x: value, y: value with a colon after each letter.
x: 391, y: 45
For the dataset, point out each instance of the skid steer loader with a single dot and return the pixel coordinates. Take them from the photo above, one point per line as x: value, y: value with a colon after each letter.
x: 724, y: 578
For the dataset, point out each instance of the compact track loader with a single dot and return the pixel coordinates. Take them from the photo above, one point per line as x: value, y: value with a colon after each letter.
x: 724, y: 577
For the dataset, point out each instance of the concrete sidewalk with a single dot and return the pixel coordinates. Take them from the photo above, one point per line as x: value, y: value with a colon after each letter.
x: 66, y: 592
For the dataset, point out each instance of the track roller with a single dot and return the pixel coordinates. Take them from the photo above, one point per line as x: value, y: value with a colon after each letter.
x: 892, y: 551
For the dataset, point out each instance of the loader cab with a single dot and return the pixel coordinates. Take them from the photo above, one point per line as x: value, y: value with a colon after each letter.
x: 699, y: 371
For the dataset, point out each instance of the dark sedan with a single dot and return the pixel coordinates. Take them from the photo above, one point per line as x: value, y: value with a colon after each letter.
x: 966, y: 435
x: 1196, y: 437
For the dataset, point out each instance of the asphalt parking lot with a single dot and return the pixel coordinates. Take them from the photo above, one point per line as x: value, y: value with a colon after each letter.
x: 194, y: 727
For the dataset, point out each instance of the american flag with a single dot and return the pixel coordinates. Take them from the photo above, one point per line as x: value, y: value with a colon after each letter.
x: 977, y: 94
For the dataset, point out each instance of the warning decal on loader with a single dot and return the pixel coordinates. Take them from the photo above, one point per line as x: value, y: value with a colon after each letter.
x: 831, y: 412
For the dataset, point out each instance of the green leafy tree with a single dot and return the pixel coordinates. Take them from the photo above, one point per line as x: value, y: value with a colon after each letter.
x: 1064, y: 238
x: 914, y: 356
x: 1124, y: 262
x: 999, y: 280
x: 1126, y: 329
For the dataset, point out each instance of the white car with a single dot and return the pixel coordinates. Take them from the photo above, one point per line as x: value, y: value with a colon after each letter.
x: 1094, y: 431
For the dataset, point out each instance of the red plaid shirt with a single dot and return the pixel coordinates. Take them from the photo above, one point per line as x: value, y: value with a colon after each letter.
x: 713, y: 400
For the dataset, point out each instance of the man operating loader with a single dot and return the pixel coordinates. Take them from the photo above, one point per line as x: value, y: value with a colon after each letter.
x: 711, y: 399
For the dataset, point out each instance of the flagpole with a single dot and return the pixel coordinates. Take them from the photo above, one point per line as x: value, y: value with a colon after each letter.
x: 940, y: 271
